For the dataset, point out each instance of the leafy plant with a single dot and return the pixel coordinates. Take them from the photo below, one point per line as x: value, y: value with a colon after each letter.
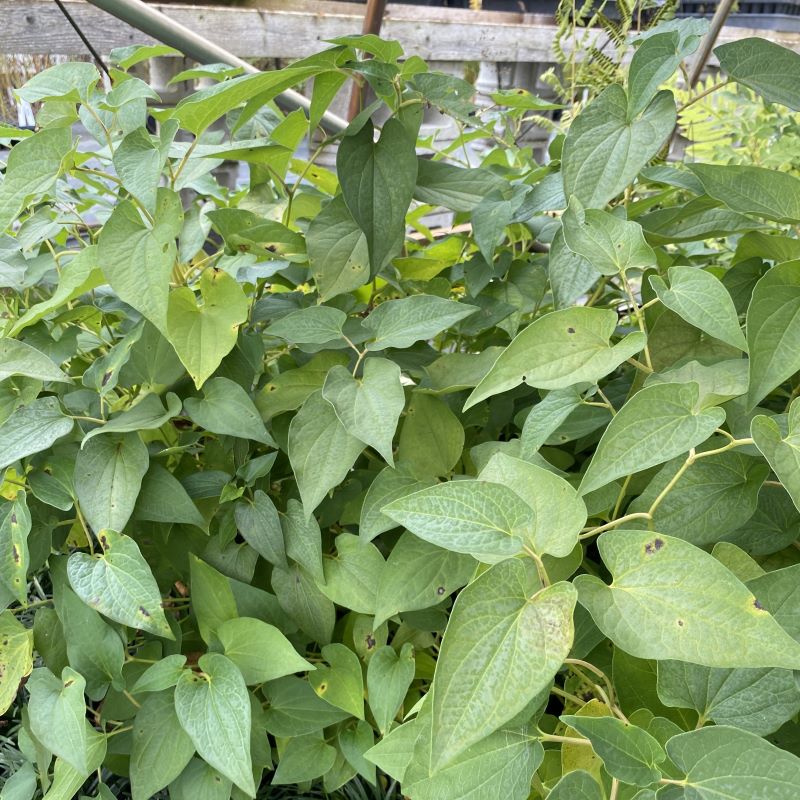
x: 298, y: 503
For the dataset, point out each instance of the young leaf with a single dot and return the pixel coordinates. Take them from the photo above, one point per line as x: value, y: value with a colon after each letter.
x: 400, y: 323
x: 203, y: 335
x: 378, y: 180
x: 312, y: 325
x: 213, y: 602
x: 558, y: 350
x: 321, y: 450
x: 389, y: 674
x: 353, y: 575
x: 629, y: 753
x: 162, y: 675
x: 341, y: 684
x: 260, y: 651
x: 431, y: 439
x: 505, y: 640
x: 148, y: 414
x: 19, y: 358
x: 119, y: 584
x: 227, y: 409
x: 295, y: 709
x: 610, y: 244
x: 658, y: 423
x: 305, y: 758
x: 300, y: 597
x: 163, y: 499
x: 369, y: 408
x: 482, y: 519
x: 213, y: 707
x: 108, y: 478
x: 577, y: 785
x: 669, y: 599
x: 161, y: 748
x: 390, y: 484
x: 703, y: 301
x: 781, y: 451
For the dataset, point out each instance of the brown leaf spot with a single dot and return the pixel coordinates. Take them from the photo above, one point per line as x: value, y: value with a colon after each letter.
x: 370, y: 640
x: 681, y: 623
x: 757, y: 605
x: 570, y: 330
x: 440, y: 590
x: 144, y: 612
x: 654, y: 546
x: 13, y: 519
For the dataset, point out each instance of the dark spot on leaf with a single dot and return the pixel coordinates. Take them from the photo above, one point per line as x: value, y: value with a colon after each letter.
x: 103, y: 541
x: 106, y: 378
x: 13, y: 519
x: 652, y: 547
x: 681, y: 623
x: 322, y: 688
x: 68, y: 683
x: 570, y: 330
x: 370, y: 640
x: 757, y: 604
x: 440, y: 590
x: 144, y: 612
x: 15, y: 551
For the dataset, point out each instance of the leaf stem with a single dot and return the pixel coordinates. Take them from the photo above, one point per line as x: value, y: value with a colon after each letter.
x: 540, y: 568
x: 551, y: 737
x: 704, y: 93
x: 589, y: 532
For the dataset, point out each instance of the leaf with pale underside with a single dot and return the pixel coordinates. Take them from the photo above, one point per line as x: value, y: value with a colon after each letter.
x: 119, y: 584
x: 671, y: 600
x: 559, y: 350
x: 505, y: 641
x: 781, y: 448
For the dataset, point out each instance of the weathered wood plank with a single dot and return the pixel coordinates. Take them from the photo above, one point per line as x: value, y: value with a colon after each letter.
x: 267, y: 28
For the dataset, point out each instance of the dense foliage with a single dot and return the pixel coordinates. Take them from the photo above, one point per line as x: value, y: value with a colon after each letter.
x: 293, y: 497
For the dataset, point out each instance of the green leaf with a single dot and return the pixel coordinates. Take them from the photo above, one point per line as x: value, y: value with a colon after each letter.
x: 505, y: 641
x: 389, y: 674
x: 610, y: 244
x: 476, y: 517
x: 713, y: 498
x: 671, y: 600
x: 31, y: 170
x: 18, y: 358
x: 161, y: 748
x: 752, y: 190
x: 162, y: 675
x: 629, y: 753
x: 227, y: 409
x: 321, y: 450
x: 139, y: 160
x: 108, y: 477
x: 305, y: 758
x: 390, y: 484
x: 577, y: 785
x: 545, y: 418
x: 703, y: 301
x: 725, y: 762
x: 213, y: 602
x: 657, y: 58
x: 203, y: 335
x: 213, y: 707
x: 199, y: 781
x: 559, y: 350
x: 148, y: 414
x: 337, y: 251
x: 71, y: 82
x: 431, y: 439
x: 400, y: 323
x: 300, y: 597
x: 127, y: 241
x: 15, y: 527
x: 57, y: 714
x: 260, y: 526
x: 768, y: 69
x: 368, y: 408
x: 295, y: 709
x: 303, y: 539
x: 163, y: 499
x: 354, y: 574
x: 419, y: 575
x: 119, y: 584
x: 559, y: 514
x: 658, y: 423
x: 604, y: 149
x: 31, y: 429
x: 378, y: 180
x: 260, y: 651
x: 456, y: 188
x: 341, y: 684
x: 247, y: 232
x: 773, y: 330
x: 16, y: 657
x: 312, y: 325
x: 782, y: 451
